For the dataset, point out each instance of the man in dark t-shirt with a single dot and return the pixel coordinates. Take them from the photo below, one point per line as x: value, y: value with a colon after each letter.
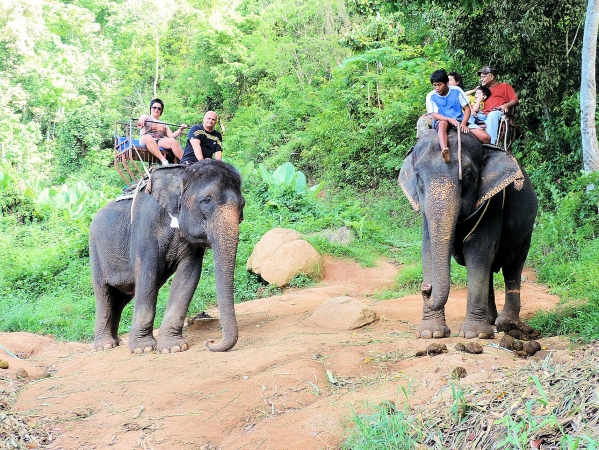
x: 203, y: 141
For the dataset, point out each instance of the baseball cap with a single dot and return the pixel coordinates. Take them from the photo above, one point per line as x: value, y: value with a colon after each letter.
x: 487, y: 69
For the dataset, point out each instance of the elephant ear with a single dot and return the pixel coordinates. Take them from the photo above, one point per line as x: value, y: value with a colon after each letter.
x: 498, y: 170
x: 166, y: 186
x: 407, y: 180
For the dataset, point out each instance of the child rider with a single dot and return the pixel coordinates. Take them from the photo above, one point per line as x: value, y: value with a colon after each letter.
x: 449, y: 107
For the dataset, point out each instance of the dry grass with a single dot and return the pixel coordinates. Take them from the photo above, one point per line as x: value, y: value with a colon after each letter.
x: 16, y: 431
x: 547, y: 404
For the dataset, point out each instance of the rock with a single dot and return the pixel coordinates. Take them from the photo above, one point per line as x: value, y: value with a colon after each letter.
x: 343, y: 313
x: 267, y: 245
x: 432, y: 350
x: 342, y: 235
x: 3, y: 364
x: 280, y: 255
x: 458, y: 372
x: 22, y: 373
x: 42, y: 375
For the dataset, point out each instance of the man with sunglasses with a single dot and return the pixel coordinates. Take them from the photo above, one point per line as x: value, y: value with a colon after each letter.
x: 154, y: 133
x: 502, y: 99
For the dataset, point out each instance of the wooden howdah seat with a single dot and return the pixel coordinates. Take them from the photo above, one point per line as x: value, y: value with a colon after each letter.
x: 131, y: 158
x: 505, y: 138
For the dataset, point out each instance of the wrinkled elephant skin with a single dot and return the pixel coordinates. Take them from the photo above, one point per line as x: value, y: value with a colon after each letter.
x: 135, y: 246
x: 484, y: 220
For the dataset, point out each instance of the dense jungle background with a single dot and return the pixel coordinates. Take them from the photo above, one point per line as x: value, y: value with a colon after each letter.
x: 317, y: 103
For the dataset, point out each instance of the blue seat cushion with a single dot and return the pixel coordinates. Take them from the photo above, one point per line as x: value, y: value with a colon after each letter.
x: 122, y: 144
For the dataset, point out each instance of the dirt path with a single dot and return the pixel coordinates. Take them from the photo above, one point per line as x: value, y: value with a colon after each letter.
x: 286, y: 385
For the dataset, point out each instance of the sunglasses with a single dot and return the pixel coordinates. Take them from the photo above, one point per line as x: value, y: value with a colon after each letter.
x: 157, y: 107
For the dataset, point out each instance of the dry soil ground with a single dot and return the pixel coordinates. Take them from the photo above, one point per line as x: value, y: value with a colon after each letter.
x: 286, y: 385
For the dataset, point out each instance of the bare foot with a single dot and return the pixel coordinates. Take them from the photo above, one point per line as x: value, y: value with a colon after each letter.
x: 445, y: 155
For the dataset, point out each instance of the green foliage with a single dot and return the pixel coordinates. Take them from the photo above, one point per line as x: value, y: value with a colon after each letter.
x: 13, y: 202
x: 384, y: 428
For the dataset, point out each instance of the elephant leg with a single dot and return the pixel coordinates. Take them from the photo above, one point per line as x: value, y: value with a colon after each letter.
x: 185, y: 282
x: 492, y: 307
x: 477, y: 312
x: 512, y: 274
x: 141, y: 337
x: 479, y: 253
x: 109, y: 307
x: 433, y: 322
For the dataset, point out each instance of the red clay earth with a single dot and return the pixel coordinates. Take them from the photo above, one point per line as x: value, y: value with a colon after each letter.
x: 287, y: 384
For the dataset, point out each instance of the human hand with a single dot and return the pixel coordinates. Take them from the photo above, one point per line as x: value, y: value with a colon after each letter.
x: 454, y: 122
x: 182, y: 126
x: 464, y: 128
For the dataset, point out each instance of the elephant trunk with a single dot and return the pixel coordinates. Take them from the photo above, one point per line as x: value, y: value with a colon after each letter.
x: 224, y: 237
x: 442, y: 214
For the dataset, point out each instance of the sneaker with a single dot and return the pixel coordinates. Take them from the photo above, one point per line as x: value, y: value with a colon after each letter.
x: 165, y: 162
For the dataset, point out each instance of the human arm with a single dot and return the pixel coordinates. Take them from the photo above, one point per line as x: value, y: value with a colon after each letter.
x: 141, y: 122
x: 478, y: 99
x: 197, y: 148
x: 177, y: 132
x: 509, y: 105
x: 464, y: 124
x: 510, y: 97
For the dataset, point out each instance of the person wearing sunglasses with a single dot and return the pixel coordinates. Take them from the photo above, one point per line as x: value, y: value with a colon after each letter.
x: 154, y: 133
x: 502, y: 99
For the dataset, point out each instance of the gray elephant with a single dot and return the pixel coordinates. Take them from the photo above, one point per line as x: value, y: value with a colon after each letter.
x: 484, y: 220
x: 137, y: 244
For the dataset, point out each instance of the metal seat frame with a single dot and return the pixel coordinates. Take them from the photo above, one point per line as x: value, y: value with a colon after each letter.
x: 131, y: 158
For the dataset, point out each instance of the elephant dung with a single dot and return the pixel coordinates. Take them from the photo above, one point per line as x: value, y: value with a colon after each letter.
x: 458, y: 372
x: 280, y: 255
x: 343, y: 313
x: 522, y: 349
x: 3, y: 364
x: 432, y: 350
x: 519, y: 330
x: 471, y: 347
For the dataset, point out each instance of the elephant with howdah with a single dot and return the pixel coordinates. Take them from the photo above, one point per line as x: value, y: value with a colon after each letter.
x: 136, y: 244
x: 484, y: 220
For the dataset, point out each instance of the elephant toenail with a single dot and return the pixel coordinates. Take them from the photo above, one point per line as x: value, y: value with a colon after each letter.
x: 175, y: 349
x: 165, y: 350
x: 138, y: 351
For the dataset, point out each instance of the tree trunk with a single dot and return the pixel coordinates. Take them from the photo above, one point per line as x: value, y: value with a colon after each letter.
x: 588, y: 89
x: 157, y: 42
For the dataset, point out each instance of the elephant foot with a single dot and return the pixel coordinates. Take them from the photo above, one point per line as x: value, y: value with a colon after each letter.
x: 142, y: 345
x: 106, y: 344
x: 471, y: 330
x: 435, y: 329
x: 172, y: 345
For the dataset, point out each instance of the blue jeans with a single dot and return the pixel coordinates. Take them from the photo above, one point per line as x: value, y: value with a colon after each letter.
x: 478, y: 116
x: 492, y: 122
